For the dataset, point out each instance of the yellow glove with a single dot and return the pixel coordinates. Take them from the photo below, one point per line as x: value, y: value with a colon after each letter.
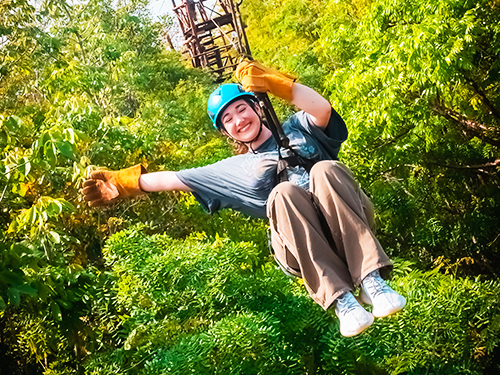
x: 104, y: 187
x: 257, y: 78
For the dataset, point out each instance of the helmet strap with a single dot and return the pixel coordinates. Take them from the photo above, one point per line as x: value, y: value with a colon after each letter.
x: 260, y: 128
x: 256, y: 137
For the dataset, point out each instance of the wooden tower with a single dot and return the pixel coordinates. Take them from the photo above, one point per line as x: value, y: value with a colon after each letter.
x: 214, y: 36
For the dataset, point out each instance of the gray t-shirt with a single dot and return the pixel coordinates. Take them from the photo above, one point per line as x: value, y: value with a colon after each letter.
x: 244, y: 182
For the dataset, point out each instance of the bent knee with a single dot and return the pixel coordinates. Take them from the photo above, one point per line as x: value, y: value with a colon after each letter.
x: 327, y: 167
x: 283, y: 192
x: 286, y: 189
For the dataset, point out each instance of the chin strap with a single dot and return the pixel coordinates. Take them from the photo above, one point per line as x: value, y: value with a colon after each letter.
x: 249, y: 143
x: 289, y: 157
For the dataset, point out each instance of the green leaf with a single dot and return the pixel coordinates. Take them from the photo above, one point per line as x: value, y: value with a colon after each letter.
x: 69, y: 135
x: 26, y: 289
x: 13, y: 258
x: 42, y: 290
x: 40, y: 143
x: 12, y: 124
x: 66, y: 149
x: 54, y: 208
x: 25, y: 166
x: 64, y: 304
x: 11, y: 278
x: 54, y: 237
x: 30, y: 216
x: 5, y: 30
x: 66, y: 206
x: 50, y: 153
x: 125, y: 120
x: 4, y: 137
x: 23, y: 189
x: 83, y: 136
x: 12, y: 226
x: 14, y: 297
x: 133, y: 19
x: 75, y: 268
x: 56, y: 311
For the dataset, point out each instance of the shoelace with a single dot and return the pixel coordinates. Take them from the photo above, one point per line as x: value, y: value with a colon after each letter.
x: 374, y: 285
x: 347, y: 303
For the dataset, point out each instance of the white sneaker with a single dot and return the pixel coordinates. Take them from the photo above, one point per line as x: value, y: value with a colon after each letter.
x: 353, y: 317
x: 382, y: 297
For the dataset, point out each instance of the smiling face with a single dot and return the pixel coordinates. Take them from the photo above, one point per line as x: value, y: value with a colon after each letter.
x: 240, y: 121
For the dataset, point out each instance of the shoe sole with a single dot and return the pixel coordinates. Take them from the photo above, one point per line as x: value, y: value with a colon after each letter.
x: 360, y: 329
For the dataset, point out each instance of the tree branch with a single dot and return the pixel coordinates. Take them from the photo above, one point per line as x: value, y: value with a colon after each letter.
x: 480, y: 167
x: 469, y: 126
x: 394, y: 139
x: 79, y: 41
x: 494, y: 111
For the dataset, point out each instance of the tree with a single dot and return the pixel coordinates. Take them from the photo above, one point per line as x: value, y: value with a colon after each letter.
x: 86, y: 85
x: 82, y: 85
x: 421, y: 94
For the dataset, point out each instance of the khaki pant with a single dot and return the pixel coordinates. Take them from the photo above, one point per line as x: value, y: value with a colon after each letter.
x: 329, y: 268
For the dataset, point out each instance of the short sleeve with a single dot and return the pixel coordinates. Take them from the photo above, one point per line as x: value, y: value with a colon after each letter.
x: 329, y: 139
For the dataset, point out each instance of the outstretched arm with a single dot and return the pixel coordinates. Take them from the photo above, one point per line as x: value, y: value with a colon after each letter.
x: 106, y: 187
x: 162, y: 181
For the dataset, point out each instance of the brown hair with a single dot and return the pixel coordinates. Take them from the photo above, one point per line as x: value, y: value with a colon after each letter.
x: 239, y: 147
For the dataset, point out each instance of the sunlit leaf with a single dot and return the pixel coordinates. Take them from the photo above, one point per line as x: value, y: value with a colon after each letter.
x: 50, y: 153
x: 54, y: 237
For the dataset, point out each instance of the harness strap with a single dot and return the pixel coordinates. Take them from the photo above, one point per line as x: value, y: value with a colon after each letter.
x: 272, y: 120
x: 293, y: 159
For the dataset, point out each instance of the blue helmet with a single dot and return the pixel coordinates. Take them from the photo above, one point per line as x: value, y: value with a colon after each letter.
x: 223, y: 96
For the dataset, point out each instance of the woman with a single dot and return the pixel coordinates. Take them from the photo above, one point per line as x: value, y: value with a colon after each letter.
x: 321, y: 221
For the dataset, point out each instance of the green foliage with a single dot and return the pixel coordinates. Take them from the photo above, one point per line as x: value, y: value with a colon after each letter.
x: 89, y: 84
x: 204, y: 299
x: 205, y: 306
x: 294, y: 24
x: 82, y: 85
x: 439, y: 322
x: 415, y: 94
